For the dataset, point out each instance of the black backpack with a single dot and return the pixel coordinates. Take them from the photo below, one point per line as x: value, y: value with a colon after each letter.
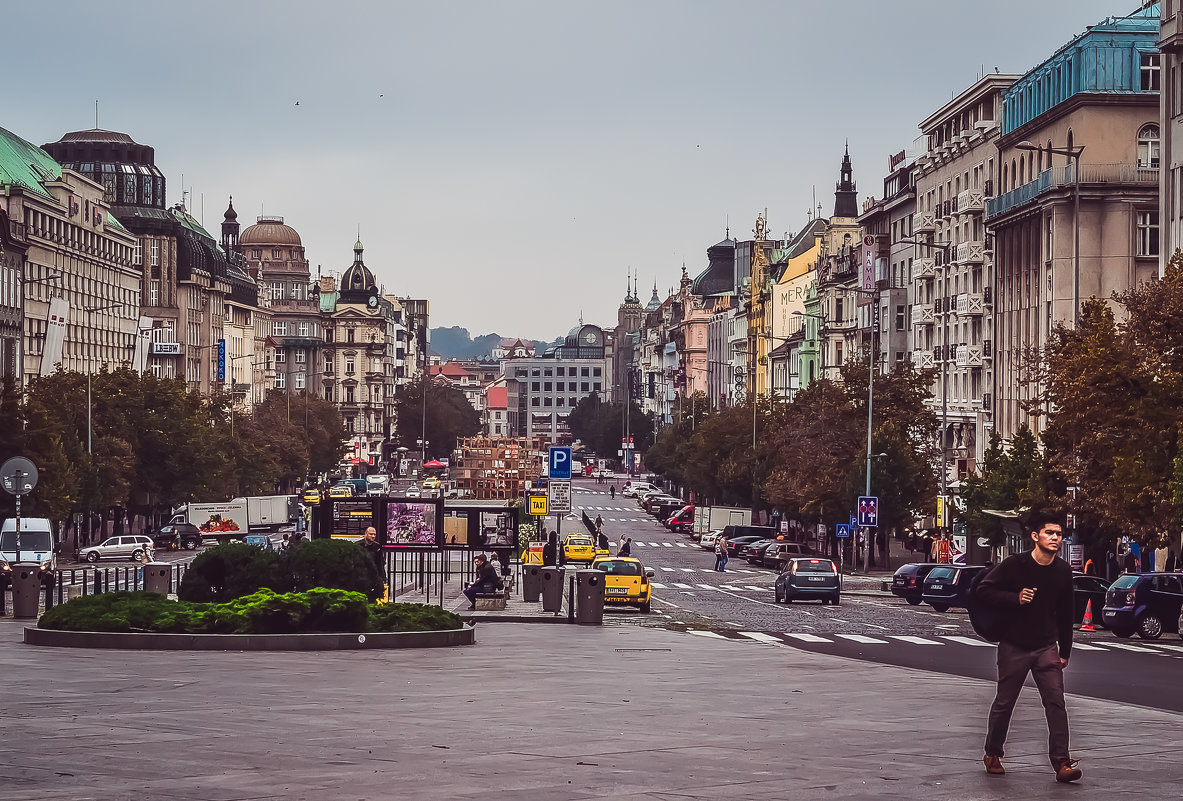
x: 987, y: 619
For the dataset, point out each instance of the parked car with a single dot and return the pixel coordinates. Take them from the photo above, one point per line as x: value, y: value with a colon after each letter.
x: 412, y: 492
x: 626, y: 582
x: 733, y: 545
x: 707, y: 540
x: 780, y: 553
x: 682, y: 519
x: 431, y: 482
x: 578, y: 548
x: 128, y: 546
x: 947, y: 586
x: 340, y: 492
x: 178, y: 535
x: 764, y: 532
x: 808, y: 578
x: 1147, y: 604
x: 259, y: 541
x: 654, y: 502
x: 908, y: 581
x: 311, y: 497
x: 636, y: 487
x: 754, y: 552
x: 1088, y: 588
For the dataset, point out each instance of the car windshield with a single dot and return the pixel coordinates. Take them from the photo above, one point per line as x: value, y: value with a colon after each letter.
x: 619, y: 568
x: 579, y: 541
x: 29, y: 541
x: 815, y: 566
x: 941, y: 573
x: 1124, y: 582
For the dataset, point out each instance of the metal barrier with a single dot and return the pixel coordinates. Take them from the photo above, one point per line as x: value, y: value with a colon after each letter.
x: 72, y: 582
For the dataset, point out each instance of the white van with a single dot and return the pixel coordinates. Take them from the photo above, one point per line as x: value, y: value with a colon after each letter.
x: 35, y: 542
x: 636, y: 488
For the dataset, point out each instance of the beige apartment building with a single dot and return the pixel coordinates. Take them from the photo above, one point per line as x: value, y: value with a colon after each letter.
x: 952, y: 275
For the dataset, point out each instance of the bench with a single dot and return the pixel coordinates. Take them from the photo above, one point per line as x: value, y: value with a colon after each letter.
x: 491, y: 601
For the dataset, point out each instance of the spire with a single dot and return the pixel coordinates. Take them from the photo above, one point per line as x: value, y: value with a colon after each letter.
x: 230, y: 229
x: 845, y: 194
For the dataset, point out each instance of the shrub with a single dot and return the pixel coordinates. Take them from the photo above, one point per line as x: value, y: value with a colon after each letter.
x: 412, y: 617
x: 334, y: 563
x: 231, y: 571
x: 112, y: 611
x: 336, y: 610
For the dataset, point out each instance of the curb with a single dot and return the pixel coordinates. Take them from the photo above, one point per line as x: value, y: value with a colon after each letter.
x: 496, y: 618
x: 153, y: 641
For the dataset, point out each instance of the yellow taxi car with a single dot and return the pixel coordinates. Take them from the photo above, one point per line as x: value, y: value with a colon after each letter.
x: 578, y: 548
x: 340, y: 492
x: 311, y: 497
x: 431, y: 482
x: 626, y: 582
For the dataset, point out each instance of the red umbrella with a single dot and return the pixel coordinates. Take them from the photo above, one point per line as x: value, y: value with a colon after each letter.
x: 433, y: 463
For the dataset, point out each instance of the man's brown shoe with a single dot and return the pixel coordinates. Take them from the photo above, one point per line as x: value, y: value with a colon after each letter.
x: 993, y: 765
x: 1067, y: 771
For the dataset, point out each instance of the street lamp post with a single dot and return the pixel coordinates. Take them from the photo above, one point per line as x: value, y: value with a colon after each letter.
x: 1074, y: 153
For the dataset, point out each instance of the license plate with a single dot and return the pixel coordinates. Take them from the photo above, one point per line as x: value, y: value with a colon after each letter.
x: 938, y: 586
x: 817, y: 578
x: 617, y: 591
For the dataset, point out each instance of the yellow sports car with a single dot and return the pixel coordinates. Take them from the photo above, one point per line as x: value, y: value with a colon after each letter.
x: 578, y: 548
x: 626, y: 582
x: 312, y: 497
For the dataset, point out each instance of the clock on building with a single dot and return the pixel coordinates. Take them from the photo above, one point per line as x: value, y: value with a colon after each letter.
x: 372, y: 301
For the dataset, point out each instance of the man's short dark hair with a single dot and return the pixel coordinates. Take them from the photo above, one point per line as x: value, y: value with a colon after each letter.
x: 480, y: 557
x: 1039, y: 518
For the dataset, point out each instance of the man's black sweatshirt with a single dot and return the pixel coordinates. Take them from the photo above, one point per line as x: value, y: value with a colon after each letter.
x: 1047, y: 620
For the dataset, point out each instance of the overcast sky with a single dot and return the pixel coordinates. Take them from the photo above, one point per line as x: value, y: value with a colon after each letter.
x: 510, y: 161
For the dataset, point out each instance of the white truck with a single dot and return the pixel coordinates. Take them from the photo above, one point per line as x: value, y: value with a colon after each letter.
x: 712, y: 518
x: 239, y: 516
x: 377, y: 484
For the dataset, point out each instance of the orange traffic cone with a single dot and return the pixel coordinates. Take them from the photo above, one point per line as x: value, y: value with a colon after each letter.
x: 1087, y: 625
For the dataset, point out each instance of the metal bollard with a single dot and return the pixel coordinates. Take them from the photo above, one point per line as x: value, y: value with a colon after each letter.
x: 589, y: 597
x: 531, y: 583
x: 26, y: 591
x: 156, y: 577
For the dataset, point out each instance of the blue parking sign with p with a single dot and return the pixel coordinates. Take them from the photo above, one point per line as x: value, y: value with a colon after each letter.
x: 560, y: 462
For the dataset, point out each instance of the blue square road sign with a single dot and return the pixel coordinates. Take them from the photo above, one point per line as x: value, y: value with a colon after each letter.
x: 559, y: 464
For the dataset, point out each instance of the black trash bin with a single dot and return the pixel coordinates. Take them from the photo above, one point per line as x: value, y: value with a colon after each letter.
x: 26, y: 591
x: 589, y: 597
x: 552, y: 589
x: 531, y: 583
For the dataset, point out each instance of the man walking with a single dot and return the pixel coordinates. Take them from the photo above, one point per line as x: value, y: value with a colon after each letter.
x: 1032, y: 593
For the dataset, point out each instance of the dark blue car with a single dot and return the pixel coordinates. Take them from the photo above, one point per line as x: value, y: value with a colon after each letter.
x: 947, y: 586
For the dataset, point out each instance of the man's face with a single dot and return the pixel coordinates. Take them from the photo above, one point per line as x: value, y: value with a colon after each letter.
x: 1049, y: 537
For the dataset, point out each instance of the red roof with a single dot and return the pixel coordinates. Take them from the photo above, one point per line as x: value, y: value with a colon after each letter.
x: 497, y: 397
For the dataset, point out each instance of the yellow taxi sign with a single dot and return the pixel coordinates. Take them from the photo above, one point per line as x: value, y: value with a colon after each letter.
x: 538, y: 505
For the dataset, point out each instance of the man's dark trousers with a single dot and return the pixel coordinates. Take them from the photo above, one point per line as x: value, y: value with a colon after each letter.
x: 1013, y: 666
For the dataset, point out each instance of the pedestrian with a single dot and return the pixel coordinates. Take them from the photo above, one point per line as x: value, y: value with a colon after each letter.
x: 373, y: 548
x: 627, y: 548
x: 550, y: 551
x: 1032, y: 592
x: 487, y: 580
x: 1131, y: 562
x: 612, y: 492
x: 599, y: 524
x: 721, y: 554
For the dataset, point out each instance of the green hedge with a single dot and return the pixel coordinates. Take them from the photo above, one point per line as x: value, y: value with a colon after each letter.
x: 234, y: 570
x: 262, y: 612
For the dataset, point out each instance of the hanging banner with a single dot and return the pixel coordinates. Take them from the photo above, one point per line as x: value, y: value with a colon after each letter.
x: 55, y: 335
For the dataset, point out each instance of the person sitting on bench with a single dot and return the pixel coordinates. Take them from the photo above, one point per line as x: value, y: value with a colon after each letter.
x: 487, y: 581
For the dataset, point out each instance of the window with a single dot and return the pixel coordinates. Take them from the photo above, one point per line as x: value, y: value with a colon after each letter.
x: 583, y: 372
x: 559, y: 371
x: 137, y: 253
x: 547, y: 386
x: 596, y: 372
x: 279, y: 328
x: 300, y: 380
x: 1148, y: 233
x: 560, y: 402
x: 1148, y: 147
x: 546, y: 401
x: 349, y: 335
x: 281, y: 381
x: 328, y: 335
x: 596, y: 386
x: 1151, y: 81
x: 154, y: 294
x: 301, y: 355
x: 584, y: 388
x: 900, y: 317
x: 303, y: 329
x: 256, y: 254
x: 838, y: 354
x: 349, y: 367
x: 276, y: 253
x: 154, y: 252
x: 328, y: 365
x: 546, y: 372
x: 281, y: 356
x: 349, y: 394
x: 535, y: 401
x: 536, y: 386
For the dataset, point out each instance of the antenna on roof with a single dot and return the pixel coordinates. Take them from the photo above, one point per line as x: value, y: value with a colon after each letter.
x: 96, y: 115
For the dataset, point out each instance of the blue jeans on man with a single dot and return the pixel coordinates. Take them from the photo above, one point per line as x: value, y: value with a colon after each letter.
x: 722, y: 568
x: 473, y: 590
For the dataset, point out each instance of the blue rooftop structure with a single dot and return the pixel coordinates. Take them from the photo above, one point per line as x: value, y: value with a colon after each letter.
x: 1118, y: 56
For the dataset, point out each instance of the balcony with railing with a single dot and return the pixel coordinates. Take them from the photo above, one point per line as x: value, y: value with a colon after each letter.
x: 969, y: 304
x: 971, y: 253
x: 922, y: 314
x: 969, y: 356
x: 1125, y: 173
x: 971, y: 201
x: 923, y: 359
x: 924, y: 269
x: 924, y: 222
x: 295, y: 305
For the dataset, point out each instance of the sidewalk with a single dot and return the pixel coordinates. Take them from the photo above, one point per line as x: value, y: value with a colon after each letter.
x: 539, y: 713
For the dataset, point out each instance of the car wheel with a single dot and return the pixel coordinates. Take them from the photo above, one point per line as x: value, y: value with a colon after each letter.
x: 1122, y: 632
x: 93, y: 556
x: 913, y: 601
x: 1150, y: 626
x: 941, y: 607
x: 836, y: 601
x: 788, y: 600
x: 776, y: 596
x: 136, y: 555
x: 646, y: 608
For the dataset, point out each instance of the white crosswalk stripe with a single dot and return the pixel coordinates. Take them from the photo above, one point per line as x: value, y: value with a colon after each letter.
x: 683, y: 586
x: 1135, y: 648
x: 704, y: 586
x: 654, y: 584
x: 968, y: 641
x: 750, y: 587
x: 687, y: 569
x: 862, y: 638
x: 1084, y: 646
x: 663, y: 567
x: 914, y: 640
x: 727, y: 586
x: 679, y: 544
x: 655, y: 544
x: 667, y: 545
x: 806, y: 637
x: 711, y: 634
x: 760, y: 636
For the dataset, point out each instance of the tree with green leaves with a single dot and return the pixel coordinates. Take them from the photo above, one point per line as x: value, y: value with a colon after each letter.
x: 445, y: 414
x: 1004, y: 482
x: 600, y: 426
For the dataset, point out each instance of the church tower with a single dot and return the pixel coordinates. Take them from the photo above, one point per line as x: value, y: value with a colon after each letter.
x: 230, y: 229
x: 845, y: 194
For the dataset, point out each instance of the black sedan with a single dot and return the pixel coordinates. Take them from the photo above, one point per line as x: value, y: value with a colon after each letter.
x: 808, y: 578
x: 908, y: 581
x: 948, y: 585
x: 733, y: 546
x: 754, y: 553
x: 177, y: 535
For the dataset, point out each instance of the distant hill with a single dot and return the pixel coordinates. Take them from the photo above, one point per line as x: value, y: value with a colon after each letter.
x: 456, y: 343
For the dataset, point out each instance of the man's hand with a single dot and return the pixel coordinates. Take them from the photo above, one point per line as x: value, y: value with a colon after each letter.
x: 1026, y: 595
x: 1063, y: 663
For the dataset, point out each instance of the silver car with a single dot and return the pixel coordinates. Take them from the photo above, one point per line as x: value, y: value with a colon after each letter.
x: 129, y: 546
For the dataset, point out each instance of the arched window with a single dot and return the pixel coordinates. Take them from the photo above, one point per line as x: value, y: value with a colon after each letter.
x: 1014, y: 174
x: 1022, y: 171
x: 1005, y: 188
x: 1148, y: 153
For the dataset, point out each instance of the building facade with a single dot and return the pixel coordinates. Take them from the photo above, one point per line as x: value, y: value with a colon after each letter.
x: 551, y: 385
